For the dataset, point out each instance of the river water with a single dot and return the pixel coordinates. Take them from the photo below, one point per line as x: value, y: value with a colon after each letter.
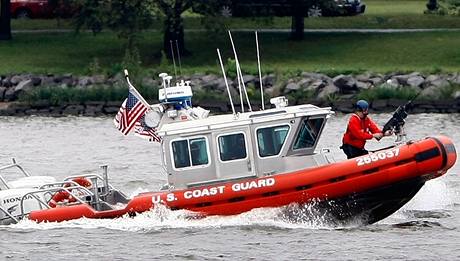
x: 427, y: 228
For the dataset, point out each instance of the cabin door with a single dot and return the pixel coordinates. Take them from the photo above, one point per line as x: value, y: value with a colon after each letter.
x: 234, y: 155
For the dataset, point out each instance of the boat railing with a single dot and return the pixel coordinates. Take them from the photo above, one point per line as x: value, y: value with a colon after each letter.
x: 9, y: 215
x: 77, y: 192
x: 105, y: 195
x: 326, y: 152
x: 10, y: 166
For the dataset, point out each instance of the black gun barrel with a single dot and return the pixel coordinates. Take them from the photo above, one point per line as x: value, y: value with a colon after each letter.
x: 397, y: 119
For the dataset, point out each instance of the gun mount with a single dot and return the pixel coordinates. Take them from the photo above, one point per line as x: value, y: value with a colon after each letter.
x: 397, y: 121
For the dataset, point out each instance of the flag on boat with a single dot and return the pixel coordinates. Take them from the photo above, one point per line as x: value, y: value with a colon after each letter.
x: 143, y: 131
x: 131, y: 111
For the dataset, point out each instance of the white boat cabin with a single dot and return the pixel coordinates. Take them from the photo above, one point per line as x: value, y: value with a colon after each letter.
x: 198, y: 149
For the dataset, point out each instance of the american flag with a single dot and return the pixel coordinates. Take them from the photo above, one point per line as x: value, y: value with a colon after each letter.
x: 146, y: 132
x: 130, y: 112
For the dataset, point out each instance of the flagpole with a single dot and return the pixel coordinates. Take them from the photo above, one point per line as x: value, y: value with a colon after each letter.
x: 134, y: 90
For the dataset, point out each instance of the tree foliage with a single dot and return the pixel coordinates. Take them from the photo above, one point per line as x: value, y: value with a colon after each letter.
x: 444, y: 7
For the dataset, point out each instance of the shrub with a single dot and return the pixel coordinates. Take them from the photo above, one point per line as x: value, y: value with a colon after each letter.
x: 384, y: 91
x: 58, y: 95
x: 446, y: 7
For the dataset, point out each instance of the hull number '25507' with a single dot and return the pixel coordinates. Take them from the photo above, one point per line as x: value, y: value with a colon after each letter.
x: 387, y: 154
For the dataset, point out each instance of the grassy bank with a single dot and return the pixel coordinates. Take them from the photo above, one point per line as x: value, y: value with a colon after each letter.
x: 329, y: 53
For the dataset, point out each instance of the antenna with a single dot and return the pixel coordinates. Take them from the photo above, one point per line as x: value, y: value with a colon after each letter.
x: 260, y: 73
x: 238, y: 70
x: 226, y: 83
x: 163, y: 77
x: 178, y: 58
x: 174, y: 60
x: 237, y: 74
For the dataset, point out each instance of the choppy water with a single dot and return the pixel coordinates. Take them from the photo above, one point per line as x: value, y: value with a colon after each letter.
x: 428, y: 228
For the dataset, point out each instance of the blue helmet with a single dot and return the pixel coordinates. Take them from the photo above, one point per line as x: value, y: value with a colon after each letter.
x: 362, y: 105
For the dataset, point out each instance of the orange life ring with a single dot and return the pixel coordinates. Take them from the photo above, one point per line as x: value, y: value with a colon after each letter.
x: 63, y: 195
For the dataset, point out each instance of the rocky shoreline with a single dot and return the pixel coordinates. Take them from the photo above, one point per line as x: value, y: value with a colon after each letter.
x: 339, y: 91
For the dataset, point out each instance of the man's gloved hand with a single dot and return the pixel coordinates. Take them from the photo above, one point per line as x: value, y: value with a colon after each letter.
x: 378, y: 136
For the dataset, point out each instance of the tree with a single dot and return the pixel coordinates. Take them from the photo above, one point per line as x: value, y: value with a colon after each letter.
x: 129, y: 17
x: 5, y: 20
x: 298, y: 14
x: 126, y: 17
x: 300, y: 10
x: 173, y: 28
x: 432, y: 5
x: 173, y: 23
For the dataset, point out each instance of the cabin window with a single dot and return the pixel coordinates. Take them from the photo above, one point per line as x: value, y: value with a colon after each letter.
x: 308, y: 133
x: 232, y: 147
x: 270, y: 140
x: 190, y: 152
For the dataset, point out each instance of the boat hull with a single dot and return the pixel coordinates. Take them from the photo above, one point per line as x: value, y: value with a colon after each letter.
x: 372, y: 186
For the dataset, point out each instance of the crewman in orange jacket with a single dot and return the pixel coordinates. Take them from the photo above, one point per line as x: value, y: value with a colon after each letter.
x: 360, y: 129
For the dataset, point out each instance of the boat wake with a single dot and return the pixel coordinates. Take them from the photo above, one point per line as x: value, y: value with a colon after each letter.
x: 433, y: 202
x: 290, y: 217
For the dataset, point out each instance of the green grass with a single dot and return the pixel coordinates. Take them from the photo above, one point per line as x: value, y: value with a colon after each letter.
x: 379, y: 14
x: 328, y: 53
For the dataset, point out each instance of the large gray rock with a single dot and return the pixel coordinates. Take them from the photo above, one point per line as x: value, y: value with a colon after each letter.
x: 304, y: 83
x: 326, y: 91
x: 41, y: 104
x: 440, y: 83
x: 292, y: 86
x: 111, y: 109
x: 392, y: 83
x: 10, y: 94
x: 269, y: 80
x: 24, y: 86
x: 6, y: 82
x: 345, y: 83
x: 379, y: 105
x: 248, y: 78
x: 93, y: 110
x: 363, y: 85
x: 271, y: 90
x: 197, y: 76
x: 36, y: 81
x: 99, y: 79
x: 402, y: 79
x: 209, y: 78
x: 16, y: 79
x: 432, y: 77
x: 69, y: 81
x: 365, y: 77
x: 455, y: 79
x: 431, y: 92
x: 2, y: 93
x: 376, y: 80
x: 415, y: 81
x: 220, y: 85
x: 84, y: 81
x: 316, y: 85
x: 456, y: 95
x: 47, y: 81
x: 415, y: 74
x: 73, y: 110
